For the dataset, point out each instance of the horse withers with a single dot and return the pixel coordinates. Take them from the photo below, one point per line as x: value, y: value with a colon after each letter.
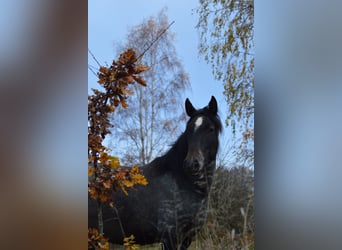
x: 174, y: 205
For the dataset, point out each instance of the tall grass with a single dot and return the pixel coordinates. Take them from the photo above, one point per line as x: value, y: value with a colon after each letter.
x: 230, y: 223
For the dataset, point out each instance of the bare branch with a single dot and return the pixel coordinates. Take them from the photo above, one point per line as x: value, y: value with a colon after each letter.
x: 155, y: 40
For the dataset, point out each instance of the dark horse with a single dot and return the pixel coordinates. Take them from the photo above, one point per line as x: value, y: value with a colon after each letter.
x: 173, y: 206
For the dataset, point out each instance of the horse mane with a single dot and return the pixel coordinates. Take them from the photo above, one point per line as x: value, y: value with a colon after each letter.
x: 172, y: 160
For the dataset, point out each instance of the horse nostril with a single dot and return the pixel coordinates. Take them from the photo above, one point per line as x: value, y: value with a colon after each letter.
x: 194, y: 164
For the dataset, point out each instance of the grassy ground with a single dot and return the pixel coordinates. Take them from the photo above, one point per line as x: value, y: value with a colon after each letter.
x: 151, y: 247
x: 146, y: 247
x: 194, y: 246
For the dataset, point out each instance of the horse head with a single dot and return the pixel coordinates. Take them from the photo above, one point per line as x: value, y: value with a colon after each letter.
x: 202, y: 136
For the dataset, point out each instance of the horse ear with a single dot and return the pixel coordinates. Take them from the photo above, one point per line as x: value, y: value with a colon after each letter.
x: 213, y: 105
x: 189, y: 108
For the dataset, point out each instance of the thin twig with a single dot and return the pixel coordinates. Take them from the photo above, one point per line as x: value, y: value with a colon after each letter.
x: 119, y: 220
x: 92, y: 70
x: 156, y: 39
x: 94, y: 57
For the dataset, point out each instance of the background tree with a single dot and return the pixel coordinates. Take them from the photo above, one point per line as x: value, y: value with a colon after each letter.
x: 226, y: 41
x: 226, y: 30
x: 147, y: 126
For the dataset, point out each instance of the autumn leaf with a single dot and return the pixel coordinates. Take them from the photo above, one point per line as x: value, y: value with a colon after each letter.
x: 140, y: 179
x: 128, y: 57
x: 141, y: 68
x: 129, y: 243
x: 107, y: 184
x: 95, y: 239
x: 91, y: 159
x: 127, y: 91
x: 135, y: 170
x: 93, y: 234
x: 93, y: 193
x: 124, y: 103
x: 91, y: 171
x: 140, y: 80
x: 102, y: 79
x: 104, y: 245
x: 103, y: 198
x: 104, y: 70
x: 110, y: 109
x: 111, y: 78
x: 116, y: 102
x: 124, y: 190
x: 128, y: 183
x: 114, y: 162
x: 129, y: 79
x: 103, y: 158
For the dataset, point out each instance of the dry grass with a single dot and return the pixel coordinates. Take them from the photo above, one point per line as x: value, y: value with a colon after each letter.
x: 156, y: 246
x: 225, y: 242
x: 230, y: 224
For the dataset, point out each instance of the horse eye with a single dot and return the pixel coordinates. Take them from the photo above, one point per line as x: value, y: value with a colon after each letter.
x: 211, y: 129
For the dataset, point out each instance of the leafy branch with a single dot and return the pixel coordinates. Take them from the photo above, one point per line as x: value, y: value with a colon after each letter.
x: 105, y: 173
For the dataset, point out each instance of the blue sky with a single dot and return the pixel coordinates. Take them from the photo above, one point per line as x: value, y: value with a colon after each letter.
x: 109, y: 22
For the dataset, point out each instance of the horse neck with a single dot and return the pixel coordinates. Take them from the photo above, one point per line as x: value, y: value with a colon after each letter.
x: 175, y: 157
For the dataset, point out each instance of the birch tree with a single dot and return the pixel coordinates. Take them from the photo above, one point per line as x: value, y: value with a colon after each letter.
x: 154, y: 114
x: 226, y: 30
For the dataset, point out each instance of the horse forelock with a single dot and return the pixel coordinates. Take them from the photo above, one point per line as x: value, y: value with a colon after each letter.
x: 205, y: 112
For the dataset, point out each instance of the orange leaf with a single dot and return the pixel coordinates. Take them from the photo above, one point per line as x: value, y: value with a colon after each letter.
x: 114, y: 162
x: 140, y: 80
x: 111, y: 78
x: 128, y: 57
x: 93, y: 193
x: 104, y: 245
x: 141, y: 68
x: 128, y: 183
x: 90, y: 159
x: 116, y: 102
x: 127, y: 91
x: 107, y: 184
x: 123, y: 103
x: 129, y: 79
x: 103, y: 198
x: 104, y: 70
x: 91, y: 171
x: 103, y: 157
x: 135, y: 170
x: 140, y: 179
x: 111, y: 109
x: 124, y: 190
x: 101, y: 79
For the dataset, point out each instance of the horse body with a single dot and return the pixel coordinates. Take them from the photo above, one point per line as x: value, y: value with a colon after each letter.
x: 173, y: 206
